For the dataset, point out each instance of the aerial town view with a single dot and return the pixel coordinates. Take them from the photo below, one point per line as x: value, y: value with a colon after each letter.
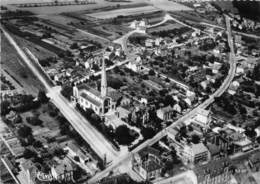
x: 130, y: 92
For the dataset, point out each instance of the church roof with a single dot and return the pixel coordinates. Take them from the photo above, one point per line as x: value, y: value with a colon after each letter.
x: 88, y: 88
x: 92, y: 100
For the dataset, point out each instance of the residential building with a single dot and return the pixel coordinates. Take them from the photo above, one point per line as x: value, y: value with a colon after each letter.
x: 177, y: 108
x: 135, y: 65
x: 62, y: 170
x: 149, y: 43
x: 202, y: 118
x: 147, y: 163
x: 188, y: 152
x: 215, y: 67
x: 214, y: 151
x: 165, y: 113
x: 233, y: 87
x: 214, y: 172
x: 222, y: 142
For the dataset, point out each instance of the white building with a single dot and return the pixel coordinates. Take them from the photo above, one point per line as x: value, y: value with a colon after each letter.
x: 202, y: 118
x: 135, y: 65
x: 233, y: 87
x: 189, y: 153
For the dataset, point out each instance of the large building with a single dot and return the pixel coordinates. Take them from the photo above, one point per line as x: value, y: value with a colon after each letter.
x: 147, y: 163
x: 189, y: 153
x: 99, y: 101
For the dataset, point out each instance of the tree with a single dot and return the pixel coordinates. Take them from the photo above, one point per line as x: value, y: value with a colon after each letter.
x: 76, y: 158
x: 256, y: 73
x: 148, y: 133
x: 114, y: 83
x: 168, y: 100
x: 195, y: 139
x: 67, y: 91
x: 27, y: 154
x: 42, y: 97
x: 151, y: 72
x: 250, y: 132
x: 37, y: 144
x: 183, y: 131
x: 74, y: 46
x: 24, y: 131
x: 34, y: 120
x: 242, y: 110
x: 5, y: 108
x: 167, y: 79
x: 124, y: 135
x: 59, y: 152
x: 78, y: 172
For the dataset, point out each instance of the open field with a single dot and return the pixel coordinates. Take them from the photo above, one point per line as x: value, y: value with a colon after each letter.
x: 166, y: 26
x: 124, y: 12
x: 11, y: 63
x: 168, y: 5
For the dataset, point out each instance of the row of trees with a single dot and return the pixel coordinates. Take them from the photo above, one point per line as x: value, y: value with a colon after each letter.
x: 25, y: 103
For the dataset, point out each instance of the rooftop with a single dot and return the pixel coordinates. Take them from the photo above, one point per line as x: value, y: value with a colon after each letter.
x: 166, y: 109
x: 149, y: 150
x: 152, y: 165
x: 90, y: 99
x: 198, y: 148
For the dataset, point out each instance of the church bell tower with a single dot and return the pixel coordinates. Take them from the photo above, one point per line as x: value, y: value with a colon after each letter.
x: 103, y: 80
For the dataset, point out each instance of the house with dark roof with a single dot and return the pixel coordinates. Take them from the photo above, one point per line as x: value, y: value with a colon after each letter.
x: 214, y: 172
x: 147, y: 163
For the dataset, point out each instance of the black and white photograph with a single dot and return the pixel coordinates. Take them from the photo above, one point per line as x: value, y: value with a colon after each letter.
x: 130, y: 92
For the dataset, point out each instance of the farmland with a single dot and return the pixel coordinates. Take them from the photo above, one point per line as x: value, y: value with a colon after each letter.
x: 13, y: 65
x: 60, y: 9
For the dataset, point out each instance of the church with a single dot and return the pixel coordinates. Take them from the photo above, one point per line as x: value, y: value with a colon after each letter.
x: 99, y: 101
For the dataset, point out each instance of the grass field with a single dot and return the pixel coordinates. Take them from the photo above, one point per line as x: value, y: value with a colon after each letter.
x: 12, y: 63
x: 168, y: 5
x: 124, y: 12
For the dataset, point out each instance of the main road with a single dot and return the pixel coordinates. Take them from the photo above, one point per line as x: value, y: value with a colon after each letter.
x: 93, y: 137
x: 206, y: 103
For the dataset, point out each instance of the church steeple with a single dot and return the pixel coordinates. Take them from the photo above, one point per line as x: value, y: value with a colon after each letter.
x: 103, y: 80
